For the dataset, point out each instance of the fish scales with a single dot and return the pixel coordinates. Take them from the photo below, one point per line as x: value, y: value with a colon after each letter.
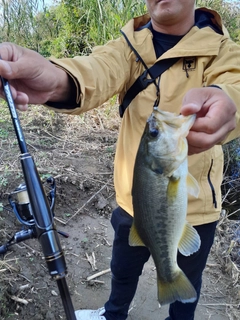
x: 156, y: 228
x: 160, y: 202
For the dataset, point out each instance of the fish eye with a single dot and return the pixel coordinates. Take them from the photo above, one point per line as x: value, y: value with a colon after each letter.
x: 153, y: 132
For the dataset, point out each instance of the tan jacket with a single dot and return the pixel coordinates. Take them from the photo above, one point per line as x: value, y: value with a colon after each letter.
x: 111, y: 69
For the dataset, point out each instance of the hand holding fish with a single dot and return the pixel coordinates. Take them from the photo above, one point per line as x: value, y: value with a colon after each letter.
x: 215, y: 117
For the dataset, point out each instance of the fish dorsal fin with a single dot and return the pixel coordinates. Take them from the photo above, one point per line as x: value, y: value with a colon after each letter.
x: 192, y: 186
x: 134, y: 239
x: 190, y: 241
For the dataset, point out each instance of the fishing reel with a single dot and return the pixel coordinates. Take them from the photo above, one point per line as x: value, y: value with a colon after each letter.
x: 19, y: 201
x: 21, y: 207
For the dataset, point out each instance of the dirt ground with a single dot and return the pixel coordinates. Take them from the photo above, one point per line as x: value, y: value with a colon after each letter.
x: 78, y: 152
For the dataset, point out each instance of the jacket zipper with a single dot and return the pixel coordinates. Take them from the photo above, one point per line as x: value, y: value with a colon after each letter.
x: 211, y: 186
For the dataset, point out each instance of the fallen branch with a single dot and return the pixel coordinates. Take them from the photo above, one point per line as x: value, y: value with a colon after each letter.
x: 4, y: 265
x: 92, y: 260
x: 23, y: 301
x: 24, y: 286
x: 89, y: 200
x: 97, y: 281
x: 98, y: 274
x: 218, y: 304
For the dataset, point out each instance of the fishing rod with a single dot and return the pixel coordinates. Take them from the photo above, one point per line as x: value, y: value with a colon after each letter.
x: 40, y: 217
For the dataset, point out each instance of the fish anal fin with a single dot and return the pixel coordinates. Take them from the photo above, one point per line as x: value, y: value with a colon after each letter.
x: 134, y: 239
x: 180, y: 289
x: 190, y: 241
x: 192, y: 186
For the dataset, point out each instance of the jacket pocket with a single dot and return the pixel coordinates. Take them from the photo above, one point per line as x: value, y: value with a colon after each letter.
x: 211, y: 185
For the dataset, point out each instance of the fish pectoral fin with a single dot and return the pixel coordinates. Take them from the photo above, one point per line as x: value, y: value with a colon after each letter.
x: 175, y: 176
x: 134, y: 239
x: 190, y: 241
x: 192, y: 186
x: 180, y: 289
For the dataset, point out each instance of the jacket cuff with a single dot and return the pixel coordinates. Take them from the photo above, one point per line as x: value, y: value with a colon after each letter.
x: 74, y: 101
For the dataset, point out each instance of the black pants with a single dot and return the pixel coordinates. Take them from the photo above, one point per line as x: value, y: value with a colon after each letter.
x: 127, y: 265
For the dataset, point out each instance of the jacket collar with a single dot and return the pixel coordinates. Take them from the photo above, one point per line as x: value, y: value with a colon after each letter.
x: 207, y: 34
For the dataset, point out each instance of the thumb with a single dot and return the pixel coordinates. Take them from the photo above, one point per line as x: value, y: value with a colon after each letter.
x: 195, y: 99
x: 5, y: 69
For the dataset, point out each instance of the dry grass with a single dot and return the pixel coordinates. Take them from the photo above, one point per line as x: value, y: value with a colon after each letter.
x: 45, y: 130
x: 226, y: 248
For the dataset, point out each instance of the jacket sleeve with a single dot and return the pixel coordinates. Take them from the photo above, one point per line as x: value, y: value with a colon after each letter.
x: 224, y: 72
x: 97, y: 77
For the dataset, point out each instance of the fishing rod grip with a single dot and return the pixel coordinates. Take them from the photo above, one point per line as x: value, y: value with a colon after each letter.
x: 45, y: 227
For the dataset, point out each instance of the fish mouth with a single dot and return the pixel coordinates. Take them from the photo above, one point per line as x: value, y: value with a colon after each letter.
x: 153, y: 127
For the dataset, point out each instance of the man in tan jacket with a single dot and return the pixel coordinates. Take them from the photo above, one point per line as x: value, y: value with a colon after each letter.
x: 205, y: 79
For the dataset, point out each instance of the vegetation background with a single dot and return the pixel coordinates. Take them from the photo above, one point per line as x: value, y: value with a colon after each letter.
x: 66, y: 28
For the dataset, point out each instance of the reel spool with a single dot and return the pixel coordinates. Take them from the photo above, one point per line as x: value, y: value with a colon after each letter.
x: 20, y: 203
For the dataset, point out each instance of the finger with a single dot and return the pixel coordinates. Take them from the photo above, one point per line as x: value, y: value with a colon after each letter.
x: 193, y: 101
x: 13, y: 93
x: 21, y: 98
x: 14, y: 60
x: 5, y: 69
x: 198, y: 100
x: 11, y: 70
x: 216, y: 118
x: 202, y: 141
x: 209, y: 124
x: 188, y: 109
x: 22, y: 107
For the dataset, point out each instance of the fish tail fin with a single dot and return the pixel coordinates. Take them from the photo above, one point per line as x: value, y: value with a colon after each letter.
x: 180, y: 289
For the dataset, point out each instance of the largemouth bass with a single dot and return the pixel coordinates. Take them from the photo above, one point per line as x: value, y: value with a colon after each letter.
x: 161, y: 183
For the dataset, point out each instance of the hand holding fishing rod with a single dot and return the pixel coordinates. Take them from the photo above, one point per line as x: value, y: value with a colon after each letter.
x: 33, y: 78
x: 44, y: 223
